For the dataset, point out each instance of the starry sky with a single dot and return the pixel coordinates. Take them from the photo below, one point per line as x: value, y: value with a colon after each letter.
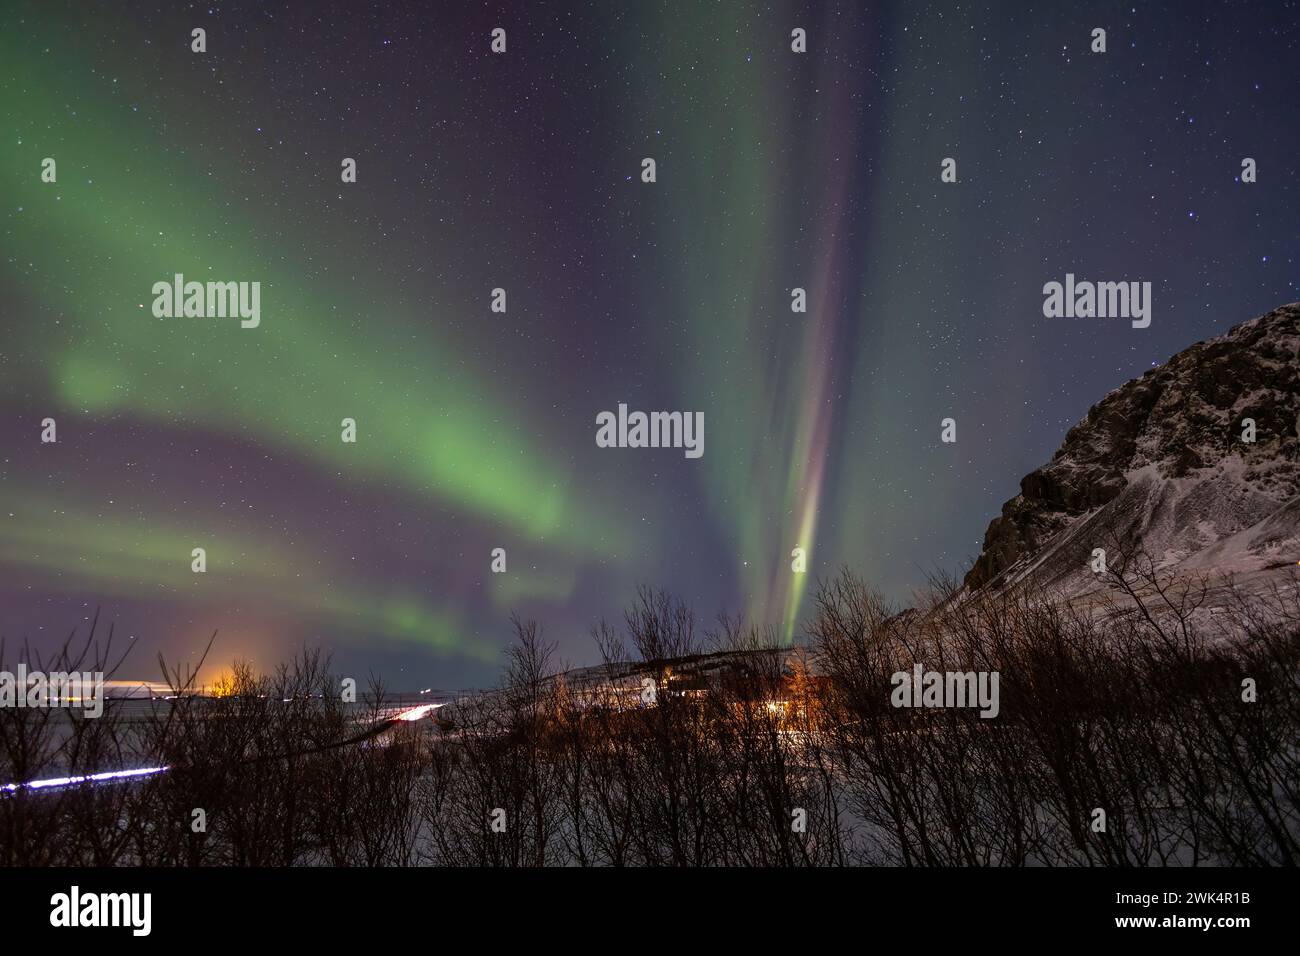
x: 522, y: 171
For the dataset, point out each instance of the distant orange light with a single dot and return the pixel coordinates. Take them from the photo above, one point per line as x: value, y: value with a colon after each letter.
x: 416, y: 713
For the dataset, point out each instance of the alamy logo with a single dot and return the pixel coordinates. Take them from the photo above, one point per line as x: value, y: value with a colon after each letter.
x: 1102, y: 300
x: 655, y: 430
x: 922, y: 688
x: 103, y: 909
x: 36, y: 689
x: 208, y: 300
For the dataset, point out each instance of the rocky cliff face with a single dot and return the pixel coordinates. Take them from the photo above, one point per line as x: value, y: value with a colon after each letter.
x: 1160, y: 462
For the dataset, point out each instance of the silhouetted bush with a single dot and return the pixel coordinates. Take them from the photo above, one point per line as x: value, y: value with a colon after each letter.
x: 690, y: 747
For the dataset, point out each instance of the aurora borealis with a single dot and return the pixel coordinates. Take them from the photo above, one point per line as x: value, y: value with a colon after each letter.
x: 521, y: 171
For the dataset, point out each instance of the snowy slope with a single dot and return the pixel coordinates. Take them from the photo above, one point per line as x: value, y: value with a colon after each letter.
x: 1159, y: 466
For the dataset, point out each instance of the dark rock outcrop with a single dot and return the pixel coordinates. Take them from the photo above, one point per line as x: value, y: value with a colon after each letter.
x: 1162, y: 459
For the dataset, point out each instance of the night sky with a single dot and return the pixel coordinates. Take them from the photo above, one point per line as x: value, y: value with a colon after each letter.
x: 522, y: 171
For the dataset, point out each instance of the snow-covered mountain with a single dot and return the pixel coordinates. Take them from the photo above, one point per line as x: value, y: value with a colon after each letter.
x: 1161, y: 464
